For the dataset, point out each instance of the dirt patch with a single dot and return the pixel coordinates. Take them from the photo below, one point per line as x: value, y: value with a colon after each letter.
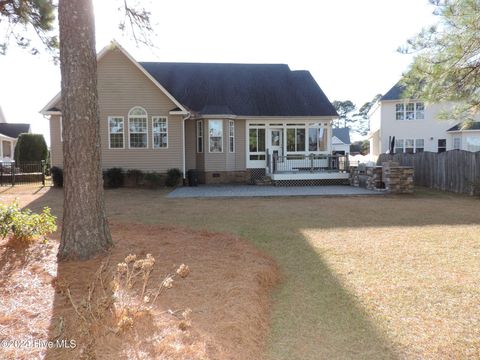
x: 227, y: 290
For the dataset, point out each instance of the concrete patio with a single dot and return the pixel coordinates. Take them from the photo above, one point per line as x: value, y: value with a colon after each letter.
x: 206, y: 191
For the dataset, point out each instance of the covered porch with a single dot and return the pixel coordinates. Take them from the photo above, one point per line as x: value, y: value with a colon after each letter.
x: 295, y: 150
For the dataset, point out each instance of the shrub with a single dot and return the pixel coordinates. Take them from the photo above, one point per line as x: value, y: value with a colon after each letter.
x: 57, y: 176
x: 30, y: 147
x: 134, y: 177
x: 125, y: 295
x: 23, y: 224
x: 114, y: 177
x: 154, y: 179
x: 173, y: 177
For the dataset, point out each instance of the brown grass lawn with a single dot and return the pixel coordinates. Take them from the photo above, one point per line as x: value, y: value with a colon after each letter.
x: 362, y: 277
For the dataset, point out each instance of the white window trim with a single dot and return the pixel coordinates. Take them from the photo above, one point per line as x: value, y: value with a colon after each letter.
x: 404, y: 145
x: 137, y: 117
x: 405, y: 110
x: 296, y: 152
x: 199, y: 125
x: 210, y: 138
x: 61, y: 128
x: 459, y: 139
x: 153, y: 131
x: 109, y: 133
x: 256, y: 127
x: 231, y: 135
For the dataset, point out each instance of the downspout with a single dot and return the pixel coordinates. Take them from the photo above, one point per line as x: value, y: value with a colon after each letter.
x: 184, y: 135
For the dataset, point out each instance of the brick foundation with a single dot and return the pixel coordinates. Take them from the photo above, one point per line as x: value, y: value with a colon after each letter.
x: 224, y: 177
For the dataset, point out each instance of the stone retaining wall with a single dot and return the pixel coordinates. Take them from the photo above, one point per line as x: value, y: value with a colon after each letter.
x: 397, y: 179
x: 390, y: 176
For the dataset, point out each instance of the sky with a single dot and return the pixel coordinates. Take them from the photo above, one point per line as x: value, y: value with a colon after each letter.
x: 349, y: 46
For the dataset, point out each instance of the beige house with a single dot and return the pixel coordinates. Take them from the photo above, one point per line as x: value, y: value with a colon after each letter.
x: 230, y: 122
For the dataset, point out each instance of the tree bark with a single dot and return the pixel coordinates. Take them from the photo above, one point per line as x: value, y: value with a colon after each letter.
x: 85, y: 230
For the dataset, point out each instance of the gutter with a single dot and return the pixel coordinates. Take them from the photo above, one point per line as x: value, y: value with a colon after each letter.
x: 183, y: 148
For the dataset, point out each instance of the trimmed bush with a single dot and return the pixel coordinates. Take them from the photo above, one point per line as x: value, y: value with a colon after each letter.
x: 134, y: 177
x: 30, y: 148
x: 173, y: 177
x: 114, y: 177
x: 57, y: 176
x: 154, y: 180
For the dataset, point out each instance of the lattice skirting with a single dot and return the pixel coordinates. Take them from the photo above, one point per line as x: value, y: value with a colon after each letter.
x: 256, y: 174
x: 311, y: 182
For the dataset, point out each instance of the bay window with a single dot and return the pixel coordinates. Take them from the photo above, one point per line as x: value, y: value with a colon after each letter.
x: 200, y: 136
x: 215, y: 136
x: 231, y: 136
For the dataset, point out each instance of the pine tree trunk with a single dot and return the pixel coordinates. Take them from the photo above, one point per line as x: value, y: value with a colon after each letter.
x: 85, y: 230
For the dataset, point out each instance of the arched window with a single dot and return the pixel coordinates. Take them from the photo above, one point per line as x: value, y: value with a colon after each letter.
x: 138, y: 127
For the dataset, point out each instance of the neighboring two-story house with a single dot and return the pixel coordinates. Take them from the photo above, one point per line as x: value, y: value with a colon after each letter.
x: 230, y: 122
x: 414, y: 127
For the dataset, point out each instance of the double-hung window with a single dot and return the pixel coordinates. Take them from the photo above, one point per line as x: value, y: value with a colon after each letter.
x: 215, y: 136
x: 199, y: 136
x: 231, y: 136
x: 409, y: 146
x: 398, y: 146
x: 160, y: 132
x: 115, y: 132
x: 419, y: 145
x: 138, y: 128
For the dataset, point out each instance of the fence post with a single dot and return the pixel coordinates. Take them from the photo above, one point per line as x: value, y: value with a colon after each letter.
x: 1, y: 173
x: 311, y: 163
x: 42, y: 164
x: 12, y: 164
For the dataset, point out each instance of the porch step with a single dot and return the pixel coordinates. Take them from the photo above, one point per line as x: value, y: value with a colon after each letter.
x: 265, y: 180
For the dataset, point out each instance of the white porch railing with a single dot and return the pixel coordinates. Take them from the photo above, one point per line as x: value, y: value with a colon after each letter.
x: 312, y: 163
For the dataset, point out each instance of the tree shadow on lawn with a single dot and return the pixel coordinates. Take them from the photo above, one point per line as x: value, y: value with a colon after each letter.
x: 314, y: 316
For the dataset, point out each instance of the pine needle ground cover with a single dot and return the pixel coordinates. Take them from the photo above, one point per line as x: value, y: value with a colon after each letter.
x: 361, y: 277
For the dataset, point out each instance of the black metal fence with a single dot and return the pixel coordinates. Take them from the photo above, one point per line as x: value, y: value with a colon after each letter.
x: 33, y: 173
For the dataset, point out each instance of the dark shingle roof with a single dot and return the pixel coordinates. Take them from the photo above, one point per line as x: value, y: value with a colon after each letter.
x: 242, y: 89
x: 395, y: 93
x: 343, y: 134
x: 474, y: 125
x: 13, y: 130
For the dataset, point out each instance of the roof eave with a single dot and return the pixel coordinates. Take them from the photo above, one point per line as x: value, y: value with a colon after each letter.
x: 114, y: 44
x: 8, y: 137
